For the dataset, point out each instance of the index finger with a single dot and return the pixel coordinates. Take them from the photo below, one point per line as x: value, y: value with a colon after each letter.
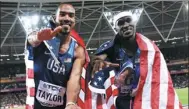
x: 114, y: 65
x: 109, y: 64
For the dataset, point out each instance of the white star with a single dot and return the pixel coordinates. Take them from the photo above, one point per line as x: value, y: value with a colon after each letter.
x: 95, y: 83
x: 99, y: 78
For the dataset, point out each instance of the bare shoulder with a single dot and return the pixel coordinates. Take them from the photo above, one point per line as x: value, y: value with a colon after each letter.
x: 80, y: 52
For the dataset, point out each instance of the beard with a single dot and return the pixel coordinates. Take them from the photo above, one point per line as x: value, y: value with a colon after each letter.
x: 67, y: 25
x: 66, y: 28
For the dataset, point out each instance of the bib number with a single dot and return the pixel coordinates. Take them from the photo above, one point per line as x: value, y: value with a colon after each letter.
x: 50, y: 95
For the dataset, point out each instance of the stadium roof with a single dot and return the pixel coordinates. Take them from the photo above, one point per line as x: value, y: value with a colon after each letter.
x: 165, y: 22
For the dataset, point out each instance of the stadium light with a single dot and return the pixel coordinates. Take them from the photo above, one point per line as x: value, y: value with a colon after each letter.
x: 34, y: 22
x: 186, y: 6
x: 91, y: 48
x: 17, y: 58
x: 4, y: 55
x: 16, y: 55
x: 173, y: 42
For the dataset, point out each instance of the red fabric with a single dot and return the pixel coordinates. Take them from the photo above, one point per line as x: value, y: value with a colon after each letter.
x: 76, y: 36
x: 30, y: 73
x: 99, y: 102
x: 154, y: 77
x: 32, y: 91
x: 29, y: 107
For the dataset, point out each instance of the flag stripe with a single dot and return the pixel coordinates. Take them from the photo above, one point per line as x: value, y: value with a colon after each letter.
x: 94, y: 101
x: 171, y: 98
x: 29, y: 107
x: 155, y: 79
x: 146, y: 95
x: 29, y: 100
x: 176, y: 103
x: 30, y: 73
x: 143, y: 73
x: 30, y: 84
x: 104, y: 106
x: 163, y: 84
x: 99, y: 101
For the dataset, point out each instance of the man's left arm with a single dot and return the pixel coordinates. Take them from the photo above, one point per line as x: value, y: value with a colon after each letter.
x: 73, y: 85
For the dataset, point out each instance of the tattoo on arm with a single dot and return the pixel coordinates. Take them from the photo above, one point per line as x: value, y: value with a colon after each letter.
x: 32, y: 39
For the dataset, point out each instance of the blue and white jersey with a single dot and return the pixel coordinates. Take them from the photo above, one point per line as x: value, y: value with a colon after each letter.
x: 51, y: 78
x: 133, y: 63
x: 116, y: 54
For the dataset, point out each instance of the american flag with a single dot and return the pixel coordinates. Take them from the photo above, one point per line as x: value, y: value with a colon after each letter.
x: 91, y: 100
x: 97, y: 83
x: 155, y: 87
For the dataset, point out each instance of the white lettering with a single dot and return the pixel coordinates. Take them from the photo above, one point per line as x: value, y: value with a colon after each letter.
x: 55, y: 68
x: 51, y: 65
x: 50, y: 95
x: 62, y: 70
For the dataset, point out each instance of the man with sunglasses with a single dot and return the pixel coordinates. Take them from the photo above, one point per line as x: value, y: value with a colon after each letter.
x: 120, y: 53
x: 57, y: 82
x: 140, y: 66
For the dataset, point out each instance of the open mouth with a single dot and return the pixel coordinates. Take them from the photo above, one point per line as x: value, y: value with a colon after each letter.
x: 127, y: 30
x: 66, y: 23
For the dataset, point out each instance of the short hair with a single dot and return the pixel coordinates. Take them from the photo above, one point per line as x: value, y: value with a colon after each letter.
x: 62, y: 4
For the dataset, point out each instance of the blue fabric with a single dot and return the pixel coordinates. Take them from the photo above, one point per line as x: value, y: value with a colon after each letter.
x: 46, y: 69
x: 97, y: 82
x: 105, y: 46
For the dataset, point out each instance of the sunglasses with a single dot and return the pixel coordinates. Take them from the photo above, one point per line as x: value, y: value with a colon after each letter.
x: 122, y: 21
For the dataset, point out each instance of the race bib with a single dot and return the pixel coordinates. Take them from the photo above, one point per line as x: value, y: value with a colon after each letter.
x: 50, y: 95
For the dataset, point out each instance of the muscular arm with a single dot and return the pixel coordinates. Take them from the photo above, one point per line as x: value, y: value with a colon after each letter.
x: 73, y: 85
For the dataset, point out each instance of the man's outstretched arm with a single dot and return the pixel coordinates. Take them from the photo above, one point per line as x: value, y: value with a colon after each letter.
x: 73, y: 85
x: 36, y: 37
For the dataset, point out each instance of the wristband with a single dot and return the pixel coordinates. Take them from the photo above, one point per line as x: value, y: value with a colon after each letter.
x: 70, y: 103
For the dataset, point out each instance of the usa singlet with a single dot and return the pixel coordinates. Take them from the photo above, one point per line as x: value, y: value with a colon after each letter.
x: 51, y: 78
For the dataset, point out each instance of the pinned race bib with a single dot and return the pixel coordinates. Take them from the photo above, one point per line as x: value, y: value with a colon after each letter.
x: 50, y: 95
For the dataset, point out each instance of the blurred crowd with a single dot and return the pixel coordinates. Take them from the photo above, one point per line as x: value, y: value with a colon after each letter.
x: 13, y: 98
x: 180, y: 80
x: 13, y: 85
x: 175, y: 53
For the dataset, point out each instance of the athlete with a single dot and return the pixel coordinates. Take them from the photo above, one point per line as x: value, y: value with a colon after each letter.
x: 142, y: 77
x: 56, y: 78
